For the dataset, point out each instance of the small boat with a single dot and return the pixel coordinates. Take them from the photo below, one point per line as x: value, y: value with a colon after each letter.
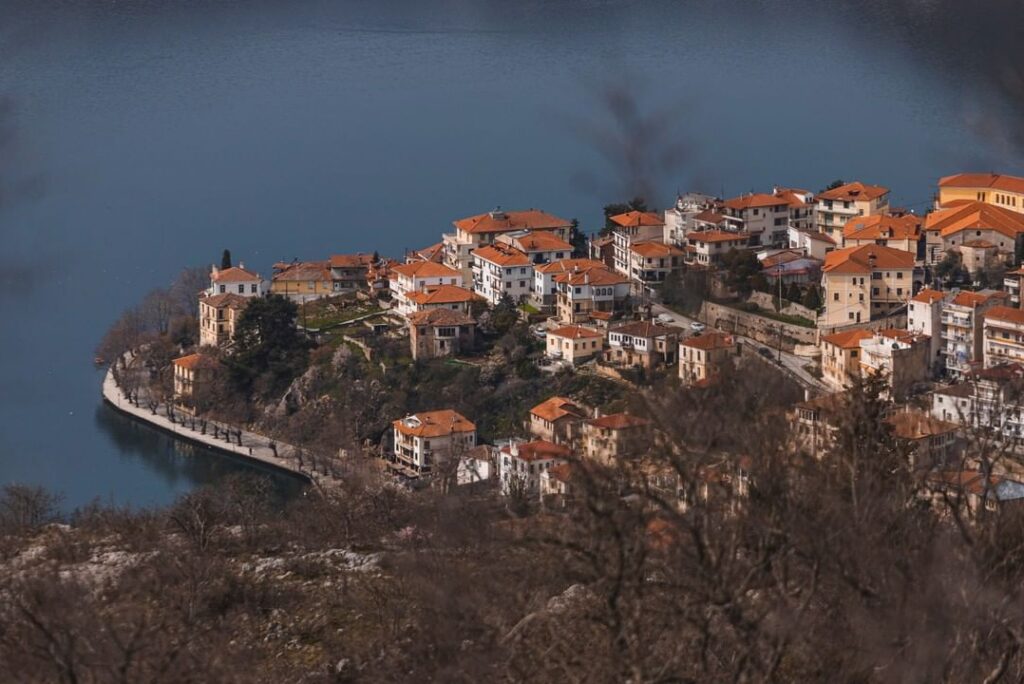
x: 99, y: 361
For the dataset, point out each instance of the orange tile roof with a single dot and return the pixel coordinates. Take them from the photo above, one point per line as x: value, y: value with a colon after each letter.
x: 425, y: 269
x: 563, y: 265
x: 436, y: 317
x: 1005, y: 313
x: 755, y: 199
x: 539, y: 450
x: 996, y: 181
x: 852, y: 192
x: 196, y: 361
x: 574, y: 332
x: 505, y: 221
x: 655, y: 249
x: 971, y: 215
x: 591, y: 276
x: 859, y: 259
x: 235, y: 274
x: 541, y: 241
x: 849, y: 339
x: 646, y: 329
x: 637, y: 218
x: 304, y: 270
x: 709, y: 216
x: 433, y: 424
x: 792, y: 198
x: 928, y: 296
x: 717, y: 236
x: 350, y: 260
x: 709, y: 341
x: 434, y: 252
x: 619, y: 421
x: 228, y: 299
x: 442, y: 294
x: 820, y: 237
x: 881, y: 226
x: 502, y: 255
x: 557, y: 408
x: 562, y: 472
x: 973, y: 299
x: 917, y: 425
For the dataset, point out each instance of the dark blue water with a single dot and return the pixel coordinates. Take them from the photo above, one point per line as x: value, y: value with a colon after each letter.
x: 140, y: 137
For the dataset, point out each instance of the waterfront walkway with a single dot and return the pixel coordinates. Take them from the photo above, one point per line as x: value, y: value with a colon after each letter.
x: 254, y: 446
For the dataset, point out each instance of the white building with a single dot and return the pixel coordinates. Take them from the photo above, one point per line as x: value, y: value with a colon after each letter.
x: 833, y: 208
x: 419, y: 276
x: 425, y: 440
x: 540, y: 246
x: 1003, y: 336
x: 500, y: 270
x: 520, y: 465
x: 924, y: 316
x: 545, y: 291
x: 632, y: 227
x: 483, y: 229
x: 679, y: 219
x: 235, y: 280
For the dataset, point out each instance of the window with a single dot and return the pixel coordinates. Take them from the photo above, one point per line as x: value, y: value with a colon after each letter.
x: 877, y: 275
x: 241, y: 289
x: 252, y: 288
x: 874, y: 292
x: 223, y: 289
x: 835, y: 297
x: 899, y: 291
x: 899, y: 275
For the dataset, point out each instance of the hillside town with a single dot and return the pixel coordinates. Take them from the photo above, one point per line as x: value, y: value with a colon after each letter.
x: 830, y: 290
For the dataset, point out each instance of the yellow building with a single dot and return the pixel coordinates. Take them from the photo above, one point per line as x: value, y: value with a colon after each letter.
x: 969, y: 223
x: 899, y: 232
x: 991, y: 188
x: 303, y: 280
x: 840, y: 357
x: 190, y: 373
x: 702, y: 357
x: 218, y: 318
x: 864, y: 283
x: 574, y: 344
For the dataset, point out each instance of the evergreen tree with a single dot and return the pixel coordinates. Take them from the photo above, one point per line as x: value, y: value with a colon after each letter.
x: 793, y: 293
x: 578, y: 239
x: 225, y: 259
x: 616, y: 208
x: 812, y: 298
x: 269, y: 351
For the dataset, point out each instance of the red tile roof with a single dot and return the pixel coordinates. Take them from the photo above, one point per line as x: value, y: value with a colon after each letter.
x: 506, y: 221
x: 563, y: 265
x: 303, y: 271
x: 973, y: 299
x: 859, y: 259
x: 235, y: 274
x: 442, y: 294
x: 928, y: 296
x: 433, y: 424
x: 541, y: 241
x: 503, y: 255
x: 756, y: 199
x: 637, y: 218
x: 619, y: 421
x: 556, y: 408
x: 436, y: 317
x: 970, y: 215
x: 425, y: 269
x: 1005, y: 313
x: 228, y: 299
x: 646, y: 329
x: 196, y: 361
x: 717, y: 236
x: 881, y: 226
x: 574, y: 332
x: 350, y: 260
x: 655, y: 249
x: 849, y: 339
x: 995, y: 181
x: 709, y: 341
x: 853, y: 192
x: 539, y: 450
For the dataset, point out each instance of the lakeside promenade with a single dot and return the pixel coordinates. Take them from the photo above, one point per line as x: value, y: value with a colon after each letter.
x: 254, y: 446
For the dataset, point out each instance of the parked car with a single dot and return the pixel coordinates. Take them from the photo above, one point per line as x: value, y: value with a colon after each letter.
x: 665, y: 319
x: 540, y: 332
x: 698, y: 327
x: 766, y: 353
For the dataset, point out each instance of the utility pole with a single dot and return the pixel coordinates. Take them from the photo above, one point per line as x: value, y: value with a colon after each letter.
x: 778, y: 276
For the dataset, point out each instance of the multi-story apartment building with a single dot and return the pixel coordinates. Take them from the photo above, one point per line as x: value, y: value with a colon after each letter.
x: 218, y: 317
x: 924, y: 317
x: 418, y: 276
x: 500, y: 270
x: 865, y: 283
x: 680, y: 218
x: 702, y: 357
x: 992, y: 188
x: 573, y: 343
x: 630, y: 228
x: 424, y: 441
x: 482, y: 230
x: 840, y: 357
x: 707, y: 247
x: 643, y: 344
x: 436, y: 333
x: 235, y: 280
x: 190, y: 374
x: 812, y: 243
x: 898, y: 355
x: 520, y: 465
x: 992, y: 401
x: 1003, y: 336
x: 556, y: 420
x: 833, y: 208
x: 963, y: 329
x: 816, y: 422
x: 765, y: 217
x: 348, y: 271
x: 615, y: 436
x: 972, y: 223
x: 302, y: 281
x: 540, y: 246
x: 651, y: 262
x: 545, y: 291
x: 1012, y: 281
x: 586, y: 291
x: 899, y: 232
x: 801, y: 207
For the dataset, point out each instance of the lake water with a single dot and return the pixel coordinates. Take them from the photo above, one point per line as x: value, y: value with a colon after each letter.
x: 138, y: 137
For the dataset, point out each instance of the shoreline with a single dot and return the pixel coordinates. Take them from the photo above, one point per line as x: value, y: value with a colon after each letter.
x: 256, y: 451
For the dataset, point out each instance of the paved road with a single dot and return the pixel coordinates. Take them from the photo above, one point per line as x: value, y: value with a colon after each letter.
x: 791, y: 363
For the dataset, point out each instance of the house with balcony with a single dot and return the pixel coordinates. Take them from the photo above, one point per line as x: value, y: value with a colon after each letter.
x: 630, y: 228
x: 865, y: 283
x: 544, y: 295
x: 218, y: 318
x: 500, y: 270
x: 585, y: 292
x: 418, y: 276
x: 924, y: 316
x: 1012, y: 285
x: 542, y: 247
x: 348, y: 272
x: 991, y: 400
x: 428, y: 440
x: 437, y: 333
x: 573, y: 344
x: 521, y: 465
x: 707, y: 247
x: 815, y: 423
x: 900, y: 356
x: 833, y: 208
x: 615, y: 436
x: 963, y: 329
x: 481, y: 230
x: 765, y: 218
x: 702, y: 357
x: 652, y: 262
x: 1003, y: 336
x: 682, y: 217
x: 643, y: 344
x: 556, y: 420
x: 813, y: 244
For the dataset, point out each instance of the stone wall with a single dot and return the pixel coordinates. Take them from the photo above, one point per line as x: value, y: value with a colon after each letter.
x: 767, y: 301
x: 760, y: 328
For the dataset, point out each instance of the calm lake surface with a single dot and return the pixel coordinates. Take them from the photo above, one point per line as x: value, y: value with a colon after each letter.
x: 140, y: 137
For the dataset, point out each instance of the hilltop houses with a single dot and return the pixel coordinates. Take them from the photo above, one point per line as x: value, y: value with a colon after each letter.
x: 865, y: 283
x: 482, y: 230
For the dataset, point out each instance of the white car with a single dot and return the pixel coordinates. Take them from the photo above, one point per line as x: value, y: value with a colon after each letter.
x: 698, y: 327
x: 666, y: 319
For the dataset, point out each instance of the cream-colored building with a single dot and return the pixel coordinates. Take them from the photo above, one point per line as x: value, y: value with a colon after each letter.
x: 545, y: 290
x: 899, y: 232
x: 481, y: 230
x: 617, y: 435
x: 840, y: 357
x: 967, y: 222
x: 865, y: 283
x: 573, y: 343
x: 992, y: 188
x: 651, y: 262
x: 643, y: 344
x: 1003, y: 338
x: 218, y: 318
x: 556, y: 420
x: 235, y: 280
x: 418, y: 276
x: 450, y: 297
x: 833, y: 208
x: 190, y: 374
x: 585, y: 291
x: 924, y: 316
x: 702, y: 357
x: 630, y: 228
x: 709, y: 246
x: 423, y: 441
